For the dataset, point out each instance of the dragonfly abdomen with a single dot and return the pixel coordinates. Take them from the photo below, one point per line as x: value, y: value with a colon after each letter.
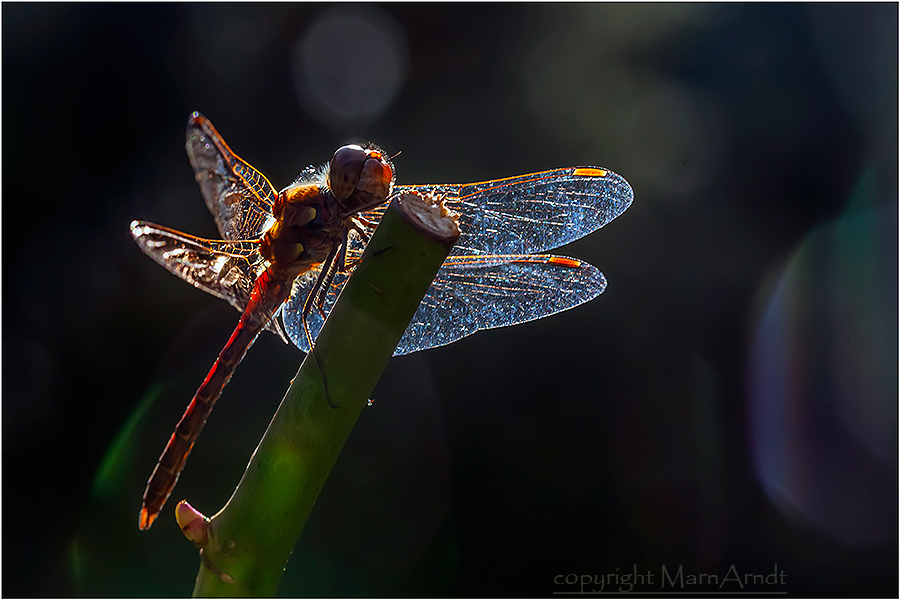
x: 269, y: 292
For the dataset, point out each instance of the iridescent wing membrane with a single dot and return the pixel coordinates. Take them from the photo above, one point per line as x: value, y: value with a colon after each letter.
x: 240, y: 199
x: 224, y: 269
x: 532, y: 213
x: 492, y: 278
x: 471, y: 293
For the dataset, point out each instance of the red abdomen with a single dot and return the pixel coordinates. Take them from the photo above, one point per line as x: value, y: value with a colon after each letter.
x: 269, y: 291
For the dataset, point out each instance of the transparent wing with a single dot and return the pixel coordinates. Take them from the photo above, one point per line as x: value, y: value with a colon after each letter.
x: 483, y: 292
x: 225, y: 269
x: 529, y: 213
x: 239, y: 197
x: 471, y: 293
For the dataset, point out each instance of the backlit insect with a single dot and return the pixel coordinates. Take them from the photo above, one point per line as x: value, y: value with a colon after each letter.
x: 285, y: 256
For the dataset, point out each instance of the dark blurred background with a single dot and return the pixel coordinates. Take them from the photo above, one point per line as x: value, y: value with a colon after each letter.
x: 731, y: 400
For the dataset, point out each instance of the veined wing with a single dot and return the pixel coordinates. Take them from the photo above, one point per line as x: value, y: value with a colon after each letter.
x: 225, y: 269
x: 239, y: 197
x: 483, y: 292
x: 529, y: 213
x: 471, y: 293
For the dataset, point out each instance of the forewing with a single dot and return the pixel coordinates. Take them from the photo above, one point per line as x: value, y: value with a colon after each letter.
x: 530, y: 213
x: 471, y: 293
x: 239, y: 197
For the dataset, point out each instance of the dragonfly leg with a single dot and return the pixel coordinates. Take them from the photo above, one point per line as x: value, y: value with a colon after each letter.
x: 311, y: 300
x: 363, y: 234
x: 338, y: 265
x: 365, y: 222
x: 349, y: 265
x: 313, y: 295
x: 325, y: 287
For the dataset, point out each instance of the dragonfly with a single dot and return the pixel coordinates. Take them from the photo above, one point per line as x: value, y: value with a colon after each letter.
x: 285, y: 256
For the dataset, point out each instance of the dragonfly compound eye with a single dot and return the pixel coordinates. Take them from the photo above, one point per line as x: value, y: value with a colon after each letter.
x: 343, y: 174
x: 374, y: 181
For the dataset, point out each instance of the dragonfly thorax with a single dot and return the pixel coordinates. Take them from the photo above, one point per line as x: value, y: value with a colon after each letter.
x: 313, y: 216
x: 304, y: 230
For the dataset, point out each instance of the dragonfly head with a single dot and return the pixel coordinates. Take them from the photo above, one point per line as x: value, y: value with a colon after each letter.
x: 360, y: 178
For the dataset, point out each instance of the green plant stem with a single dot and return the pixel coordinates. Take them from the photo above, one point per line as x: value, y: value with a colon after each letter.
x: 250, y: 539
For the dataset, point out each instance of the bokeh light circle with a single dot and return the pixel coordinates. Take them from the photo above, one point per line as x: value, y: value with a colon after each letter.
x: 822, y: 385
x: 349, y: 66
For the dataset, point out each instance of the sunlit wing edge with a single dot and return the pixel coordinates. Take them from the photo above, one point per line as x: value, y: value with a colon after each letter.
x: 163, y: 244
